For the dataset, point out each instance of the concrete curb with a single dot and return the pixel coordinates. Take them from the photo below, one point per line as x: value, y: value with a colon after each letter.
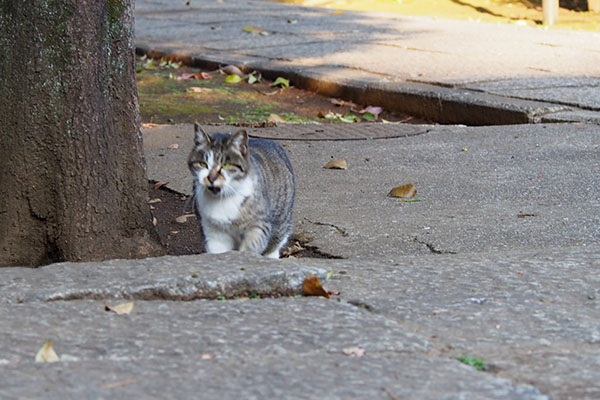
x: 435, y: 103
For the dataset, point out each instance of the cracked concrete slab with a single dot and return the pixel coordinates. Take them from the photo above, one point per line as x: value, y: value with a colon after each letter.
x: 276, y: 348
x: 166, y: 278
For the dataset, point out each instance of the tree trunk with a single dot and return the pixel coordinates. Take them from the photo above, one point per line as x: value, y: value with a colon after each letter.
x: 72, y: 175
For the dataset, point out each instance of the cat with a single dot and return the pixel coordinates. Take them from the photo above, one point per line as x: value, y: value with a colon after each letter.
x: 243, y: 192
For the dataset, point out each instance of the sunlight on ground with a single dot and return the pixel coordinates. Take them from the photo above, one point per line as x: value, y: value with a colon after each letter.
x: 521, y: 12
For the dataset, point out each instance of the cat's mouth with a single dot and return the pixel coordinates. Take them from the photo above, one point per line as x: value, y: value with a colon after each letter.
x: 214, y: 189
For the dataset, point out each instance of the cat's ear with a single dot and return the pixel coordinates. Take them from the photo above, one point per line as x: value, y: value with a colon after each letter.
x: 239, y: 141
x: 201, y: 137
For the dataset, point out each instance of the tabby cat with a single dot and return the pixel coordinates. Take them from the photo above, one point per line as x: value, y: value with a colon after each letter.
x: 243, y: 192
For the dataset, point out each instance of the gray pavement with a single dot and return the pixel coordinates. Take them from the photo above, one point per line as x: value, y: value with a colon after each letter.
x: 498, y: 260
x: 445, y: 71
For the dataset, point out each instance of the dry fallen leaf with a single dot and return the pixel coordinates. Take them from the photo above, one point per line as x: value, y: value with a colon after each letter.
x: 207, y: 356
x: 312, y: 287
x: 195, y: 75
x: 231, y: 70
x: 152, y: 201
x: 404, y: 191
x: 354, y: 351
x: 154, y: 221
x: 198, y: 89
x: 275, y: 118
x: 336, y: 163
x: 173, y: 146
x: 121, y: 309
x: 46, y: 353
x: 182, y: 219
x: 158, y: 185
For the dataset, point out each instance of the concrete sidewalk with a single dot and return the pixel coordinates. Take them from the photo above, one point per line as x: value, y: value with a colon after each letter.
x: 442, y: 70
x: 498, y: 261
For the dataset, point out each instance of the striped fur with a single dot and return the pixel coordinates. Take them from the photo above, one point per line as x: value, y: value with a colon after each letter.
x: 243, y: 192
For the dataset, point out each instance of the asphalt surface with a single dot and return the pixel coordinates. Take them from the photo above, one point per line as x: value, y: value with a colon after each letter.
x: 498, y: 259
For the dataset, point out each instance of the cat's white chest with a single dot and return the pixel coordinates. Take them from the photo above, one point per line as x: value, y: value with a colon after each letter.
x: 225, y: 210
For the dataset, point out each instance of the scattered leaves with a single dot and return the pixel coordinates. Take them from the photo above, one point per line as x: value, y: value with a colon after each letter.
x: 121, y: 309
x: 254, y: 77
x: 347, y: 118
x: 354, y: 351
x: 372, y: 110
x: 233, y: 78
x: 336, y: 163
x: 369, y: 116
x: 158, y: 185
x: 194, y: 75
x: 46, y: 353
x: 198, y: 89
x: 255, y: 30
x: 281, y: 82
x: 231, y: 70
x: 182, y: 219
x: 405, y: 191
x: 312, y: 287
x: 275, y: 118
x: 476, y: 363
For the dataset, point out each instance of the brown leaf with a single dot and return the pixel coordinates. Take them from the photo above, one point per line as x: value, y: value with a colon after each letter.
x: 182, y: 219
x: 46, y: 354
x: 121, y: 309
x: 152, y: 201
x: 404, y: 191
x: 194, y: 75
x: 336, y: 163
x: 198, y: 89
x: 158, y: 185
x: 275, y: 118
x: 231, y: 70
x: 173, y: 146
x: 312, y: 287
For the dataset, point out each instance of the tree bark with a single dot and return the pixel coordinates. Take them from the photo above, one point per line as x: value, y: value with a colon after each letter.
x: 72, y: 175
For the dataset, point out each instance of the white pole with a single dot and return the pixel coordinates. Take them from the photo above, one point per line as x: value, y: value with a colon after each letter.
x: 550, y: 9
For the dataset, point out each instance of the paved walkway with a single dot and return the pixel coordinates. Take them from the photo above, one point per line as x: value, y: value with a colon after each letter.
x: 446, y: 71
x: 498, y: 261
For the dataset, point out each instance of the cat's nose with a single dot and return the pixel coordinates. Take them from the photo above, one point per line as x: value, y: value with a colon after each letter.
x: 211, y: 177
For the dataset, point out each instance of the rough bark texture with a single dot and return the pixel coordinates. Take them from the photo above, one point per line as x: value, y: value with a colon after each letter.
x: 72, y: 175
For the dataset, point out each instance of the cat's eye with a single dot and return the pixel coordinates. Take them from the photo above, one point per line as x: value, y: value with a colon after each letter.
x: 231, y: 166
x: 199, y: 164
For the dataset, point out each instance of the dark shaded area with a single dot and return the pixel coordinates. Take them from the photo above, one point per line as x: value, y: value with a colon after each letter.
x: 185, y: 238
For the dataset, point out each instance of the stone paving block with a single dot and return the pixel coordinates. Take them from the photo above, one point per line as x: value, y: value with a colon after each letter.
x: 167, y: 278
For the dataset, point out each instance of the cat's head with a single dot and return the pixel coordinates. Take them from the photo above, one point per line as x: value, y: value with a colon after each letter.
x: 219, y: 163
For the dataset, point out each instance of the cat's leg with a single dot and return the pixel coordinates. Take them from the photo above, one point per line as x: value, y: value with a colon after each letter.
x: 256, y: 239
x: 276, y: 250
x: 217, y: 241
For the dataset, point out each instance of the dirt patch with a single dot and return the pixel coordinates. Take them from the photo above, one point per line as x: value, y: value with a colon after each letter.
x: 185, y: 237
x: 165, y: 98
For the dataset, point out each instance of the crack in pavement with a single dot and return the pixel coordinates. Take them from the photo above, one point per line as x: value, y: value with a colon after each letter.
x: 342, y: 231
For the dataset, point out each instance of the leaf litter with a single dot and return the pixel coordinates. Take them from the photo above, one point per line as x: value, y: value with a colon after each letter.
x: 46, y: 354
